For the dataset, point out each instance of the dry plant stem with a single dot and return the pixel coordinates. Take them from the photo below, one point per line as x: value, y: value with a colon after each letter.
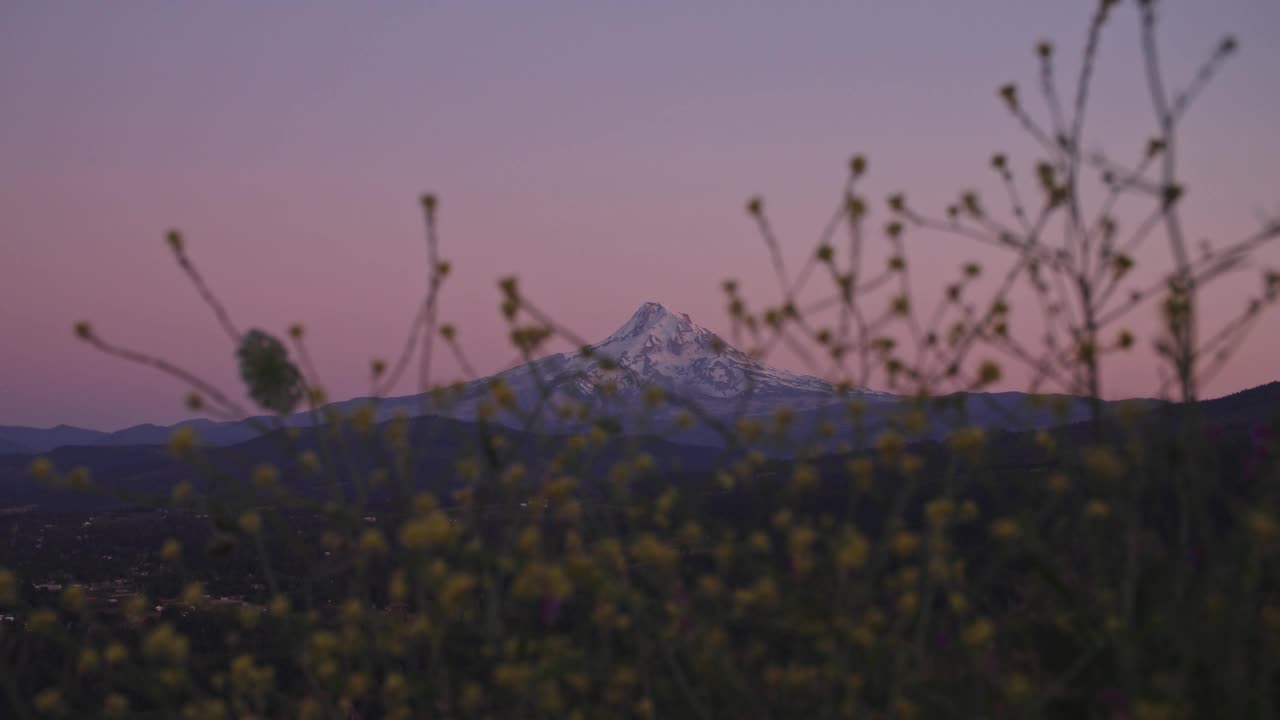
x: 220, y: 311
x: 171, y: 370
x: 406, y: 353
x: 1185, y: 336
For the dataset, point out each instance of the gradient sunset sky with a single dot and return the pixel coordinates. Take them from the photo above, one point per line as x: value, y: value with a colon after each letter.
x: 601, y: 151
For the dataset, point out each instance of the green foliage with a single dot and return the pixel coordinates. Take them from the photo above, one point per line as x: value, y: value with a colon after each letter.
x: 272, y: 380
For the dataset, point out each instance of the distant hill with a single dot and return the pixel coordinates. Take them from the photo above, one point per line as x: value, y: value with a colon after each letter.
x: 140, y: 474
x: 654, y: 348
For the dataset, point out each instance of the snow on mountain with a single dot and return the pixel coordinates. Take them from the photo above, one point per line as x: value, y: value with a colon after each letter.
x: 666, y: 349
x: 655, y: 347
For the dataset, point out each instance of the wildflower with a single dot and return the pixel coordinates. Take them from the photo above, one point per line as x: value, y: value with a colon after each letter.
x: 49, y: 702
x: 1017, y: 687
x: 115, y: 653
x: 171, y: 550
x: 804, y: 476
x: 940, y: 511
x: 164, y: 643
x: 905, y: 543
x: 529, y: 539
x: 265, y: 475
x: 782, y: 519
x: 1045, y: 440
x: 251, y: 522
x: 78, y: 478
x: 852, y: 552
x: 1271, y: 618
x: 40, y: 469
x: 362, y: 419
x: 1009, y: 93
x: 890, y: 444
x: 1097, y: 510
x: 854, y: 206
x: 422, y: 533
x: 502, y: 394
x: 352, y: 611
x: 8, y: 587
x: 116, y: 705
x: 182, y: 442
x: 310, y: 461
x: 1005, y: 529
x: 73, y: 598
x: 472, y: 695
x: 559, y: 488
x: 1102, y: 462
x: 967, y: 440
x: 911, y: 464
x: 979, y: 633
x: 759, y: 542
x: 1150, y: 710
x: 373, y: 542
x: 862, y: 471
x: 1059, y: 483
x: 42, y: 621
x: 654, y: 396
x: 398, y: 586
x: 182, y: 492
x: 650, y: 550
x: 749, y: 430
x: 87, y: 661
x: 710, y: 585
x: 644, y: 463
x: 249, y: 616
x: 988, y: 372
x: 1263, y: 526
x: 193, y: 593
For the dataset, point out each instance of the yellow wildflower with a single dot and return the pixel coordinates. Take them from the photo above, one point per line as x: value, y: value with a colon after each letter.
x: 1005, y: 529
x: 183, y: 442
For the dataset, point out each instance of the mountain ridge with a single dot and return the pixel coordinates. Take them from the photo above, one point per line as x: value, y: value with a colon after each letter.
x: 654, y: 347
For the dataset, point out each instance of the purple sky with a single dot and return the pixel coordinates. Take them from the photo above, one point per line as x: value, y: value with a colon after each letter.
x: 602, y: 151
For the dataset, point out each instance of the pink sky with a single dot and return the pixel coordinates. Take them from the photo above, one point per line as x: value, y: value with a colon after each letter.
x: 602, y: 152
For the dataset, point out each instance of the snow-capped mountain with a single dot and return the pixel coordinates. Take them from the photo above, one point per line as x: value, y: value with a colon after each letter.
x: 654, y: 348
x: 660, y: 348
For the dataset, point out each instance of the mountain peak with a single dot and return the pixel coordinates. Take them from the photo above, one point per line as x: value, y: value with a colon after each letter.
x: 651, y: 312
x: 653, y: 318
